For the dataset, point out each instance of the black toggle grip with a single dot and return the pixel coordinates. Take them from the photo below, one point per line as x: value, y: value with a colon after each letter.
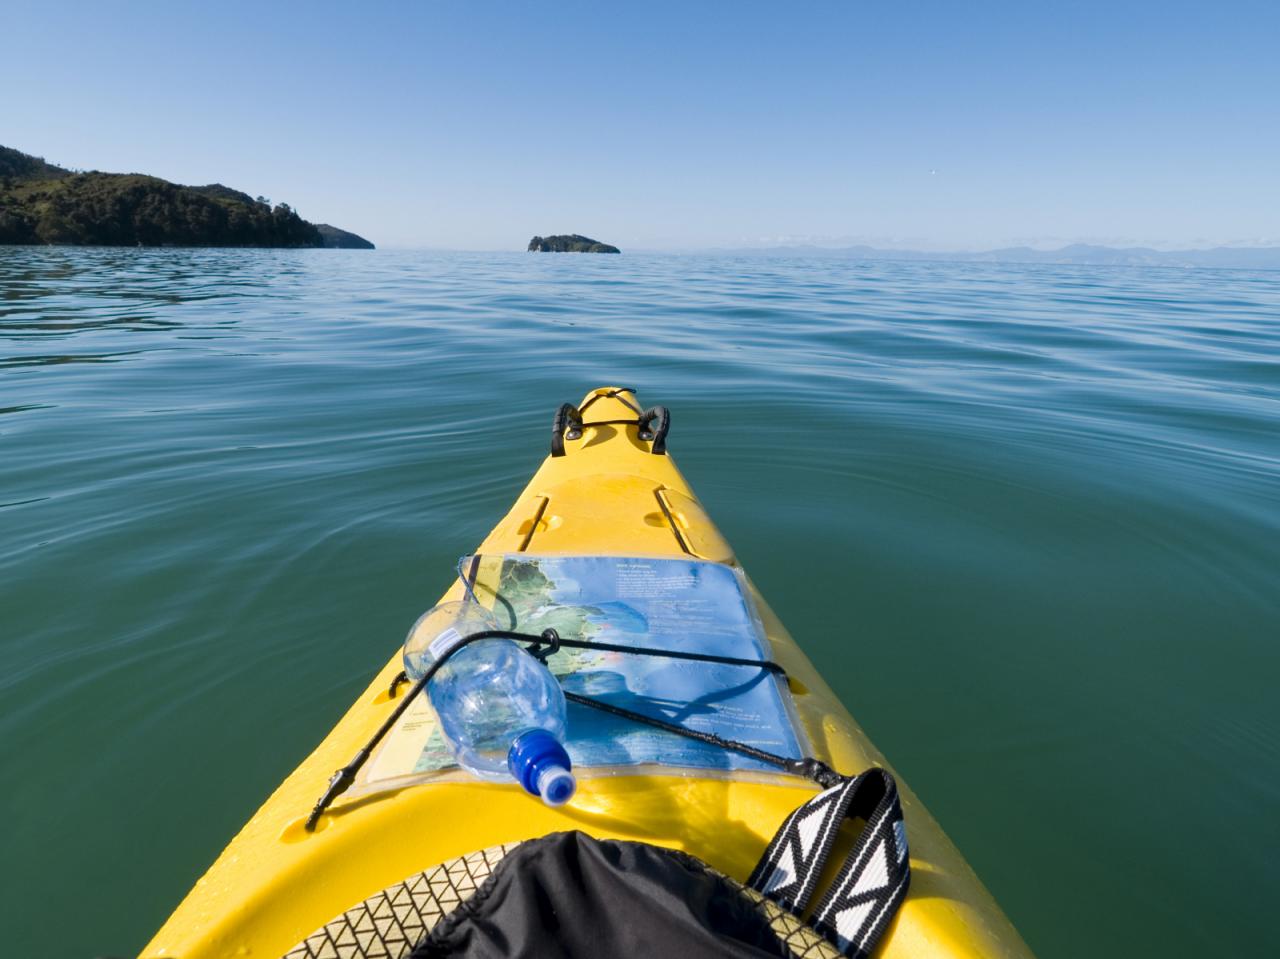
x: 568, y: 425
x: 567, y: 420
x: 660, y: 416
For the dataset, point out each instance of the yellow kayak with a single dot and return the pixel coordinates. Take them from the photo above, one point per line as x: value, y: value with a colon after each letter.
x: 608, y: 490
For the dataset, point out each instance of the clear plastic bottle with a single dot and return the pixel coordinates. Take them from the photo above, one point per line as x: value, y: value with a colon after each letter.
x: 501, y: 710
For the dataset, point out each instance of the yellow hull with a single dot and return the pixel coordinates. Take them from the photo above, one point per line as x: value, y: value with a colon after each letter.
x: 275, y: 882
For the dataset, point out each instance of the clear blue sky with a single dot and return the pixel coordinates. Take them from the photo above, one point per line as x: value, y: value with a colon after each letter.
x: 945, y: 125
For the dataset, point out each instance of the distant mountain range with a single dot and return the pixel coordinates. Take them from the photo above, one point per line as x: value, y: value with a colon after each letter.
x: 1222, y: 257
x: 45, y: 204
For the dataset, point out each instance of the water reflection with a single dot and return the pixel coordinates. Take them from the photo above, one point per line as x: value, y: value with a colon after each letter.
x: 985, y: 500
x: 11, y: 362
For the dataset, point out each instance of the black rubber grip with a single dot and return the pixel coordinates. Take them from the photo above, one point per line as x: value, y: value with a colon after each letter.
x: 660, y: 417
x: 566, y: 415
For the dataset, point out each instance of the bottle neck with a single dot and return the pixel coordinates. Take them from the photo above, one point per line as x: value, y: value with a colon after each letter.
x: 539, y: 763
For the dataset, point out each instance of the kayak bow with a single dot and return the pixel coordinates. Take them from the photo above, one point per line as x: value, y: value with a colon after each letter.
x: 608, y: 490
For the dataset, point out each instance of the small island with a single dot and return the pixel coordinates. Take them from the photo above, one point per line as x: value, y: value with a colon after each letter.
x: 41, y: 203
x: 569, y: 243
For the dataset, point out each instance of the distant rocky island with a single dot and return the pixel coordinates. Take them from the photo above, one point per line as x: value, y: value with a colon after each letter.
x: 569, y: 243
x: 41, y: 203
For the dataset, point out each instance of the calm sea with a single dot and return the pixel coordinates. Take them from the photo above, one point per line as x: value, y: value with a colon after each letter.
x: 1026, y: 519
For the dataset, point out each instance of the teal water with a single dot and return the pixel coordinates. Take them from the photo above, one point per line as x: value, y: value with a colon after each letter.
x: 1026, y: 519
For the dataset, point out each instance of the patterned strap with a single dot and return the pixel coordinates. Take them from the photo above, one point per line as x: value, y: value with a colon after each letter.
x: 873, y: 880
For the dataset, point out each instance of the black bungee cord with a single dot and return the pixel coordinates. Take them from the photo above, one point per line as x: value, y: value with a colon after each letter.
x: 547, y: 643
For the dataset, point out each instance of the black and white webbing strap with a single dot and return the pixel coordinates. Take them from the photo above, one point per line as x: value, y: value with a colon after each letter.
x: 873, y: 881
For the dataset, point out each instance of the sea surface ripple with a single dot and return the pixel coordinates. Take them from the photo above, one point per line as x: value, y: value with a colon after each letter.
x: 1026, y: 519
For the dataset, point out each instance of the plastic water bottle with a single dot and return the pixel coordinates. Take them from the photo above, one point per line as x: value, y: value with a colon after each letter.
x: 501, y: 710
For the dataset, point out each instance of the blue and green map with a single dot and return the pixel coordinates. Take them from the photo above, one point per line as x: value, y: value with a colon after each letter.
x: 673, y: 604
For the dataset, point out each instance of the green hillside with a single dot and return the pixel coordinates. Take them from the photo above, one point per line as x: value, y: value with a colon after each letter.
x: 42, y: 203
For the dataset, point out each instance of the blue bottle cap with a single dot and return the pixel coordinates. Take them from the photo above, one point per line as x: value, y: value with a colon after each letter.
x: 539, y: 763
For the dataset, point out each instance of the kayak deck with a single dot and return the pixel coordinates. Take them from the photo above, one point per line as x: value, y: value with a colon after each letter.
x: 608, y: 495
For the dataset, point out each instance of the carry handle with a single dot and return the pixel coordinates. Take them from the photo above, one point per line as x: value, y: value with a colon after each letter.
x: 567, y: 419
x: 873, y: 881
x: 654, y: 424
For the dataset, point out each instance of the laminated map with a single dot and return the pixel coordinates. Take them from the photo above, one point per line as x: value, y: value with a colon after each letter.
x: 673, y: 604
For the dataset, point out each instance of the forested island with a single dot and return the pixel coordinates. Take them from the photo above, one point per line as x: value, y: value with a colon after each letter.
x: 569, y: 243
x: 41, y: 203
